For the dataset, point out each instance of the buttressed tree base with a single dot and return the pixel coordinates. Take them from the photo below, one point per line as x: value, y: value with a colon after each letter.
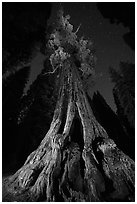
x: 76, y: 160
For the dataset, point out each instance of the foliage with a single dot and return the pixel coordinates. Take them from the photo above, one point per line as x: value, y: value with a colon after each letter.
x: 124, y: 80
x: 64, y: 45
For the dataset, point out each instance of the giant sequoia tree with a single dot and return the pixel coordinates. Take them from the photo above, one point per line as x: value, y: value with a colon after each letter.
x: 76, y: 160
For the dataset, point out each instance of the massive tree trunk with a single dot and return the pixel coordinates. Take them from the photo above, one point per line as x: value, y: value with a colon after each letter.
x: 76, y: 160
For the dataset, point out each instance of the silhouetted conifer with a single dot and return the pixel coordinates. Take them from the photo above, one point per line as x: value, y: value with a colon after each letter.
x: 124, y: 88
x: 117, y: 132
x: 12, y: 91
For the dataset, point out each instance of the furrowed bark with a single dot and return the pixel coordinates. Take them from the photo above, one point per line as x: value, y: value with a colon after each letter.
x: 76, y: 161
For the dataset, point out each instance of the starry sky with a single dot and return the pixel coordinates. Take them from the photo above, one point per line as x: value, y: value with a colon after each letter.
x: 107, y: 39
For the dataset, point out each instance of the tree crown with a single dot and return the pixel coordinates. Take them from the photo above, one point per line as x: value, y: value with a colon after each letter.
x: 64, y: 44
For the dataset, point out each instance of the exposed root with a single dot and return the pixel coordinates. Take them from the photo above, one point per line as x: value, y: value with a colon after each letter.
x: 76, y: 161
x: 39, y: 188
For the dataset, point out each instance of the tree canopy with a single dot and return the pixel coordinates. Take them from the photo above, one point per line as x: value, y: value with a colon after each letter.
x: 64, y: 44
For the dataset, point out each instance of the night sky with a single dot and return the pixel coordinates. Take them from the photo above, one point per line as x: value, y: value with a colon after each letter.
x: 108, y: 42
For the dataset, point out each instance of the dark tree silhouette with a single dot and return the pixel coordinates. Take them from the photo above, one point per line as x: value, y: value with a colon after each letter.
x: 117, y: 132
x: 124, y: 88
x: 76, y: 160
x: 23, y: 25
x: 124, y: 95
x: 123, y: 12
x: 12, y: 91
x: 35, y: 115
x: 130, y: 131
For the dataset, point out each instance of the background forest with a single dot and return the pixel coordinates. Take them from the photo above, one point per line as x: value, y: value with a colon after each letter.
x: 28, y: 107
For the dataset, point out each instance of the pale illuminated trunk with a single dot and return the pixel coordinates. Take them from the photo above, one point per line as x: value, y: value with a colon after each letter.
x: 76, y: 161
